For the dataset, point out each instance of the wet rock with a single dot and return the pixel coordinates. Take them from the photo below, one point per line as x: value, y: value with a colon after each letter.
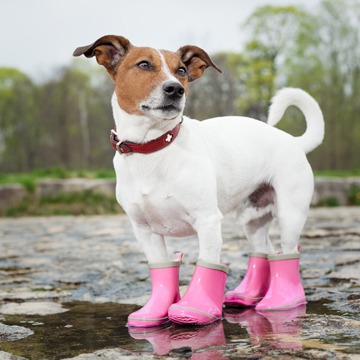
x: 346, y: 272
x: 98, y: 259
x: 32, y: 308
x: 26, y: 294
x: 6, y: 356
x: 184, y: 351
x: 12, y: 333
x: 331, y: 327
x: 116, y: 354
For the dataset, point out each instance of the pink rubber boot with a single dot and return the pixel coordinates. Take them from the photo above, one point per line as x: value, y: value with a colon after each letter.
x: 165, y: 291
x: 285, y: 291
x: 202, y: 302
x: 254, y: 285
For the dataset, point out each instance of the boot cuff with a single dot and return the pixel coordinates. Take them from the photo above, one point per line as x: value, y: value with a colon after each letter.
x: 258, y: 255
x: 176, y: 263
x: 213, y: 266
x: 283, y: 257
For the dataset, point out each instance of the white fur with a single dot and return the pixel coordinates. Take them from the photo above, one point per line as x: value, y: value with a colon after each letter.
x: 165, y: 68
x: 211, y: 168
x: 311, y: 110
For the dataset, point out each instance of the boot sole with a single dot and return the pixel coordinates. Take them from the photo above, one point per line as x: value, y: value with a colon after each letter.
x: 241, y: 300
x: 187, y: 315
x: 134, y: 322
x: 289, y: 306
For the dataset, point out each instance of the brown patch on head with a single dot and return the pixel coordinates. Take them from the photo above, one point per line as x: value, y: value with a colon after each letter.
x: 109, y: 50
x: 134, y: 81
x: 263, y: 196
x: 139, y: 73
x: 196, y: 60
x: 175, y: 66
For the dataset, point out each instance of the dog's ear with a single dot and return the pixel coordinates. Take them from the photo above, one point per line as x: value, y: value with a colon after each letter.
x: 196, y: 60
x: 109, y: 51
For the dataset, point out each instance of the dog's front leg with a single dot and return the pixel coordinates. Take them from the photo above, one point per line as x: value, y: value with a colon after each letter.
x: 164, y: 280
x: 202, y: 302
x: 210, y: 240
x: 153, y: 244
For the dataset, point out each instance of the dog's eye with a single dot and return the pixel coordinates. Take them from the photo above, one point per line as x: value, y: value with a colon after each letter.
x: 182, y: 71
x: 144, y: 65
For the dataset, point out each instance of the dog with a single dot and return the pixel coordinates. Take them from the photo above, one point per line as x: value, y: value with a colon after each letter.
x: 178, y: 177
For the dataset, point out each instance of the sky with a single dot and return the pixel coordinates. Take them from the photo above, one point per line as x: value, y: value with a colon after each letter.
x: 39, y: 36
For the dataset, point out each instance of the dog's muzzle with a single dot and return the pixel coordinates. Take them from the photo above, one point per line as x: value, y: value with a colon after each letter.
x: 173, y: 90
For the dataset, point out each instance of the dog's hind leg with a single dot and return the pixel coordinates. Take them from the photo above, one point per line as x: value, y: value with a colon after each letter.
x: 257, y: 233
x: 255, y: 284
x: 285, y: 290
x: 293, y: 199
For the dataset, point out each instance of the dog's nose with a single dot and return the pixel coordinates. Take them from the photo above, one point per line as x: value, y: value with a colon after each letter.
x: 173, y: 90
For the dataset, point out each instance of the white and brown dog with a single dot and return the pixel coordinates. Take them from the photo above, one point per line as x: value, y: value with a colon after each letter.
x: 178, y: 177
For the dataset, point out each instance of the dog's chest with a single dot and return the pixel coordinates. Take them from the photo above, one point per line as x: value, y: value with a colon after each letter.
x: 149, y: 199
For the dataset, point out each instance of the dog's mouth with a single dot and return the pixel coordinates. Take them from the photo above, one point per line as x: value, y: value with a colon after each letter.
x: 165, y: 108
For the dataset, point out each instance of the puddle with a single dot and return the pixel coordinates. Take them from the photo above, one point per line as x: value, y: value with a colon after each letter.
x: 314, y: 331
x: 85, y: 328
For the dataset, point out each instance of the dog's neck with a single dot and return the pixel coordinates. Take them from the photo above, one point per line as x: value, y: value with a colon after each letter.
x: 139, y: 128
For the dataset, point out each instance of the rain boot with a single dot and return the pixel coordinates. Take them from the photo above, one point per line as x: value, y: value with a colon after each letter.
x: 202, y: 302
x: 254, y: 285
x: 285, y: 291
x: 165, y: 291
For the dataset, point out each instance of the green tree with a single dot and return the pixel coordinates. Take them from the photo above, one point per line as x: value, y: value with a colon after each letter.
x: 18, y: 130
x: 216, y: 94
x: 76, y: 118
x: 64, y: 121
x: 318, y: 52
x: 272, y: 31
x: 326, y: 62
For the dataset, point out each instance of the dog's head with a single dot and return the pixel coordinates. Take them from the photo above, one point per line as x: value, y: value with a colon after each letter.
x: 148, y: 82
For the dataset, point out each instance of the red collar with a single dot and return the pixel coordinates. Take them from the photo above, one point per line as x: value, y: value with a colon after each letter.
x: 159, y: 143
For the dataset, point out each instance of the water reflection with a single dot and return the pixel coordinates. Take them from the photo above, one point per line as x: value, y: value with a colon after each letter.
x: 177, y: 339
x: 273, y: 329
x: 269, y: 330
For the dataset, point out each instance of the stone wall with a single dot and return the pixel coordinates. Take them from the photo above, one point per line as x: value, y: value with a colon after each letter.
x: 328, y: 191
x: 335, y: 191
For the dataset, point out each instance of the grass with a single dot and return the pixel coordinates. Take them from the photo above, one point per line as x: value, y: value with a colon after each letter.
x: 72, y: 203
x: 354, y: 195
x: 29, y: 179
x: 338, y: 173
x: 75, y: 203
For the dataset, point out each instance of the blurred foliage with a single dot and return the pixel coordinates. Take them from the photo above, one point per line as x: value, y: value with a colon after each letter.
x: 65, y: 121
x: 67, y: 203
x: 354, y: 195
x: 29, y: 179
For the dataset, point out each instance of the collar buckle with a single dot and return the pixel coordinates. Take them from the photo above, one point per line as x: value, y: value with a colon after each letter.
x: 122, y: 148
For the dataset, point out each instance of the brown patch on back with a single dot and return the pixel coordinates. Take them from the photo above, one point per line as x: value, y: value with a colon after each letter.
x: 263, y: 196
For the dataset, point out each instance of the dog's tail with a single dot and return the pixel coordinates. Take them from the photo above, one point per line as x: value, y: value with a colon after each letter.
x: 286, y: 97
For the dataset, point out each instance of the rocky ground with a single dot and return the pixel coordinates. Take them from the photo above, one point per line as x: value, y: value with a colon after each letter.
x: 67, y: 285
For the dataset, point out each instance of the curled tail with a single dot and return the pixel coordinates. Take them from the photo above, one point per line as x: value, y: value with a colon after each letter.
x: 286, y: 97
